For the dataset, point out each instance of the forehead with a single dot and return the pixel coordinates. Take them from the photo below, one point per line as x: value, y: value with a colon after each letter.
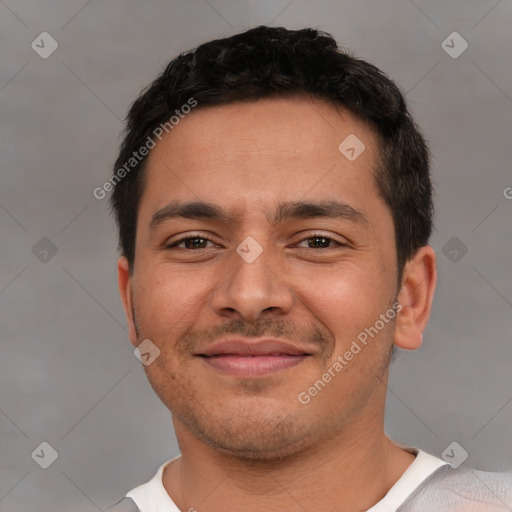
x: 248, y: 153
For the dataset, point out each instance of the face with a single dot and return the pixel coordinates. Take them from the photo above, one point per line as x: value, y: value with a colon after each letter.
x: 294, y: 244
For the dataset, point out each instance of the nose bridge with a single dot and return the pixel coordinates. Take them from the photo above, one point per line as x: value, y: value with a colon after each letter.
x: 254, y: 272
x: 251, y: 283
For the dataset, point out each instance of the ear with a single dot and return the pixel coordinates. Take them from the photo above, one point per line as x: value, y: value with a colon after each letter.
x: 125, y: 290
x: 415, y: 297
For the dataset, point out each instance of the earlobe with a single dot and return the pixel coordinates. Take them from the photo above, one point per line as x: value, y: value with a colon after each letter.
x: 415, y: 296
x: 125, y: 291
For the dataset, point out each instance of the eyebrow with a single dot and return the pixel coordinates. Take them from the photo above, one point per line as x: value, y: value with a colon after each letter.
x: 284, y: 211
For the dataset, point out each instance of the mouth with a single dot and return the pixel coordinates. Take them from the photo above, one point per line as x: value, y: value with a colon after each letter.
x: 253, y: 365
x: 250, y: 358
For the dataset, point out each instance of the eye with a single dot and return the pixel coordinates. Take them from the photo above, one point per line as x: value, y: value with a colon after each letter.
x: 190, y: 242
x: 198, y: 242
x: 320, y: 241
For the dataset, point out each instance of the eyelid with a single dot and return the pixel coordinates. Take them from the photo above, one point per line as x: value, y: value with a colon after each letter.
x: 185, y: 236
x: 330, y: 236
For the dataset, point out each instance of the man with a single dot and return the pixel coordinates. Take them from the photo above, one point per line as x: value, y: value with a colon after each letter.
x: 274, y: 207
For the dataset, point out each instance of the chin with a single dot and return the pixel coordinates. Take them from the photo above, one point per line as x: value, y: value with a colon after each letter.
x: 260, y: 449
x: 254, y: 436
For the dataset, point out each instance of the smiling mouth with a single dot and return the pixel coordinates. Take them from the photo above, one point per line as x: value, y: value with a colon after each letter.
x: 251, y: 365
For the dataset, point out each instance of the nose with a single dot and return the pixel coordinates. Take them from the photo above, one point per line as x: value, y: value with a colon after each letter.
x: 252, y: 290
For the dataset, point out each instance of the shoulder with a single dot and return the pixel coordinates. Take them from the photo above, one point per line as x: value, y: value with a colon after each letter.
x: 463, y: 489
x: 152, y: 495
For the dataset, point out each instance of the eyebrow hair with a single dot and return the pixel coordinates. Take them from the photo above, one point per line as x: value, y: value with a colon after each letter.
x: 189, y: 210
x: 328, y: 209
x: 284, y: 211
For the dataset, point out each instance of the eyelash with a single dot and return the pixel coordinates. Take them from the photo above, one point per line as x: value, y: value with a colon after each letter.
x: 310, y: 237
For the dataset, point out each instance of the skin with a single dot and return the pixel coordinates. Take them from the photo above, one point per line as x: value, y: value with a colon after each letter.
x: 246, y: 441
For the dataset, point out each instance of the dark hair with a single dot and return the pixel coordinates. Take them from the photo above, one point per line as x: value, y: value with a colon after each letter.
x: 268, y: 62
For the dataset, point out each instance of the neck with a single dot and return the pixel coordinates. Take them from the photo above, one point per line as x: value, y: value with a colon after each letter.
x: 356, y: 468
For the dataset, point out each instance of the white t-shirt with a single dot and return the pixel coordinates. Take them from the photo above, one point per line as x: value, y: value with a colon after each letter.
x: 429, y: 484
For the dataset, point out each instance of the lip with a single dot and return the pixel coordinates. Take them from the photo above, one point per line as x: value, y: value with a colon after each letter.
x: 251, y: 358
x: 246, y: 347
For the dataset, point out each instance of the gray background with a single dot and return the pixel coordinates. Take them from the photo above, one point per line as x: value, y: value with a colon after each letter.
x: 68, y: 374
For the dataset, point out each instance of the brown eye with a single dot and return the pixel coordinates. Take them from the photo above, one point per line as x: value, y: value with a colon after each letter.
x: 191, y: 242
x: 195, y: 243
x: 319, y: 242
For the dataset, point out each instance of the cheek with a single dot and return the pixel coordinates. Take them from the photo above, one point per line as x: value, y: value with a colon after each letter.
x: 346, y: 298
x: 163, y: 299
x: 348, y: 303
